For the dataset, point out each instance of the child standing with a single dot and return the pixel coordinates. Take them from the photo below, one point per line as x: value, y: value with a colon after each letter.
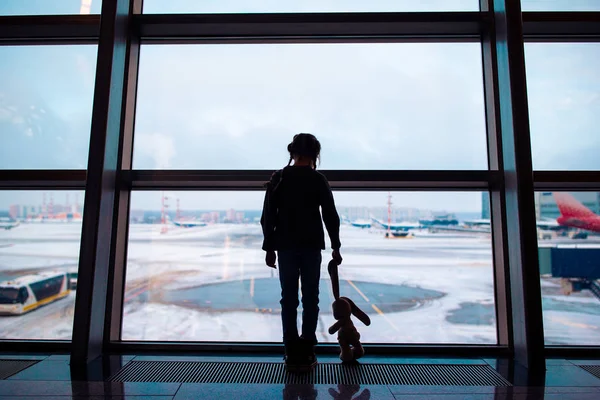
x: 292, y: 225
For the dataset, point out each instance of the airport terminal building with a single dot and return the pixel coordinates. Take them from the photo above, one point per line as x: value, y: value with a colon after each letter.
x: 137, y: 140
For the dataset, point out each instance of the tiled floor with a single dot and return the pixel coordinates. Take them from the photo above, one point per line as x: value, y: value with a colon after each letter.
x: 53, y: 378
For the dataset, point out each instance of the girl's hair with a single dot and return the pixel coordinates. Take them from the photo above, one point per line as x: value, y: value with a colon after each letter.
x: 305, y: 145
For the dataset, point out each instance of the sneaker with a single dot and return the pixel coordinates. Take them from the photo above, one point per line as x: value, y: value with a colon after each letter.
x: 292, y: 353
x: 309, y: 358
x: 299, y: 356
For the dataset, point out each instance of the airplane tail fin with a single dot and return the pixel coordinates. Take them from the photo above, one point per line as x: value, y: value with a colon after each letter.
x: 569, y: 206
x: 374, y: 220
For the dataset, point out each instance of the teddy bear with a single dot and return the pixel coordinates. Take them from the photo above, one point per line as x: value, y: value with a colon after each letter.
x: 343, y: 308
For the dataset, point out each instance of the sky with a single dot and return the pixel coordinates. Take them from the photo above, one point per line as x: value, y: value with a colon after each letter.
x: 373, y: 106
x: 253, y: 200
x: 28, y: 7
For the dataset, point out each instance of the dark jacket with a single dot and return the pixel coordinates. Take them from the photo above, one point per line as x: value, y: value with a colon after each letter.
x: 291, y: 219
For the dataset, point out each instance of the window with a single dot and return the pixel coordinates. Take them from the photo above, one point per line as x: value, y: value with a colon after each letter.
x: 298, y: 6
x: 49, y: 7
x: 47, y: 288
x: 569, y: 249
x: 560, y: 5
x: 564, y: 105
x: 196, y: 267
x: 46, y: 95
x: 9, y: 295
x: 238, y: 106
x: 40, y: 234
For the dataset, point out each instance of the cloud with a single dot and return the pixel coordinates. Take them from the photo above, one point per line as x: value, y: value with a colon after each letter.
x: 157, y: 147
x: 389, y: 106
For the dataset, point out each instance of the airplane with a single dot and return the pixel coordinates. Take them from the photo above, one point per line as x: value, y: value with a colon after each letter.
x: 546, y: 224
x: 192, y: 223
x: 397, y: 226
x: 479, y: 223
x: 7, y: 223
x: 359, y: 223
x: 574, y: 214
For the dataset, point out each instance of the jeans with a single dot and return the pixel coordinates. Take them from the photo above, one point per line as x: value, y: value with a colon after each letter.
x: 306, y: 266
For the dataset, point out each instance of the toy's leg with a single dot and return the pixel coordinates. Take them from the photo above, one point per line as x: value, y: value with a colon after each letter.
x: 358, y: 351
x: 346, y: 353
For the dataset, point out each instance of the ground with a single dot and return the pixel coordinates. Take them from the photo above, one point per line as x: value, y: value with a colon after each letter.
x: 211, y: 284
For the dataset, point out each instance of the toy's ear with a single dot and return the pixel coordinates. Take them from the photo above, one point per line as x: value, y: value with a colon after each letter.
x: 358, y: 313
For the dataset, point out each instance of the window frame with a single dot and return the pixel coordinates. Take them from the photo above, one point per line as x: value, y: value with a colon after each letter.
x: 109, y: 178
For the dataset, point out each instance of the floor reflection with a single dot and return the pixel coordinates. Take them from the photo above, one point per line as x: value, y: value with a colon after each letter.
x: 347, y: 392
x: 339, y: 392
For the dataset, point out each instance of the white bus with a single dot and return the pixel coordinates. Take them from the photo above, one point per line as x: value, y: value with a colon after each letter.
x: 29, y: 292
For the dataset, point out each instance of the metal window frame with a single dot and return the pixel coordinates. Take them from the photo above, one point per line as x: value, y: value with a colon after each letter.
x: 40, y: 179
x: 339, y: 180
x: 109, y: 178
x: 49, y: 29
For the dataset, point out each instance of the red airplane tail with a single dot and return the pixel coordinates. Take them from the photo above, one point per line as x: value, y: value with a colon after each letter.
x: 570, y: 207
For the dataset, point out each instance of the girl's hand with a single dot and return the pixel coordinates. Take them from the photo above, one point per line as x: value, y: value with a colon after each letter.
x: 337, y: 256
x: 271, y: 259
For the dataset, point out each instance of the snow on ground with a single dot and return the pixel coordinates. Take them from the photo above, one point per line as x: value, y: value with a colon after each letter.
x: 459, y: 267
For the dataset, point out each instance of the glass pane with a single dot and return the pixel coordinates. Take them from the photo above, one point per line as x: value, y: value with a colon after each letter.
x: 569, y: 249
x: 46, y: 95
x: 564, y: 105
x: 238, y: 106
x: 298, y: 6
x: 560, y: 5
x: 196, y: 270
x: 40, y: 233
x: 49, y: 7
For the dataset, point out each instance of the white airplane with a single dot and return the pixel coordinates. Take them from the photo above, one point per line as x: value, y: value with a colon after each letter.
x: 396, y: 226
x: 359, y: 223
x: 547, y: 224
x: 192, y: 223
x: 7, y: 223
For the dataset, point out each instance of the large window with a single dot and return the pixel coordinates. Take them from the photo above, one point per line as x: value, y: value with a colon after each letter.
x: 569, y: 248
x: 40, y: 234
x: 298, y: 6
x: 46, y: 95
x: 373, y: 106
x: 49, y: 7
x: 564, y: 105
x: 213, y: 93
x: 196, y: 270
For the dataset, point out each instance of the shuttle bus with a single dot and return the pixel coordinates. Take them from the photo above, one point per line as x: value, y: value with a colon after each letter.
x: 29, y: 292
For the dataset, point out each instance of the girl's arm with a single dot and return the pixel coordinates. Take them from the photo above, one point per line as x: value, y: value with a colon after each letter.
x: 330, y: 215
x: 269, y: 214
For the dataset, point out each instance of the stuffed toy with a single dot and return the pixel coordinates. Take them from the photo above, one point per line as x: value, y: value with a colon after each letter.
x: 343, y: 308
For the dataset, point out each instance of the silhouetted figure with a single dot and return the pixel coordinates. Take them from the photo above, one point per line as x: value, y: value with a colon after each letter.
x: 293, y: 227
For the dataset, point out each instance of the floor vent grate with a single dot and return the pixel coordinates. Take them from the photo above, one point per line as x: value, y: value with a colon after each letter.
x: 10, y: 367
x: 324, y: 373
x: 592, y: 369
